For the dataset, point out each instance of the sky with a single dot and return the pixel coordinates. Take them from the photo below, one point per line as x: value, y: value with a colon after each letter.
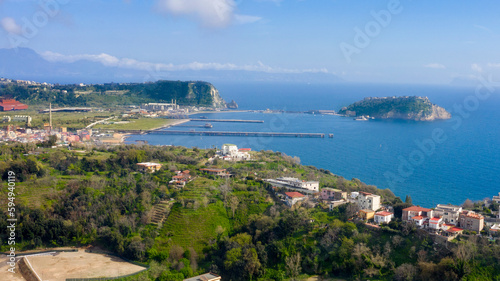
x: 389, y: 41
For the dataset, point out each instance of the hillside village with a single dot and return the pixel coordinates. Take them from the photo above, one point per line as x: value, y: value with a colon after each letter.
x: 205, y: 202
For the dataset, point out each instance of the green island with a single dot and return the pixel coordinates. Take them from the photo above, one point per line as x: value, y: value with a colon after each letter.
x: 407, y: 108
x: 235, y: 227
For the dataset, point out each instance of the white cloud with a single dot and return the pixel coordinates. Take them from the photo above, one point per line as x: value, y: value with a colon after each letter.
x: 244, y: 19
x: 435, y: 66
x: 10, y: 25
x: 211, y: 13
x: 475, y: 67
x: 493, y: 64
x: 112, y: 61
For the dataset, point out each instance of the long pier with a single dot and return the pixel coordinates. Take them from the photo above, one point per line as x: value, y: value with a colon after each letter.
x: 239, y: 134
x: 227, y: 120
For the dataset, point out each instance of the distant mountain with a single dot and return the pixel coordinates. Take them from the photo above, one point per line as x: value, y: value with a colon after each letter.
x: 26, y: 64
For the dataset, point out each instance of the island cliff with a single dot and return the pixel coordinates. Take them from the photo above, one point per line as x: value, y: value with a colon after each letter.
x: 406, y: 108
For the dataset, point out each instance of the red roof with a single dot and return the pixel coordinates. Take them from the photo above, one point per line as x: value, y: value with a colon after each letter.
x: 418, y: 218
x: 11, y: 104
x: 416, y: 209
x: 455, y: 229
x: 245, y: 149
x: 294, y: 194
x: 365, y: 193
x: 384, y: 214
x: 435, y: 219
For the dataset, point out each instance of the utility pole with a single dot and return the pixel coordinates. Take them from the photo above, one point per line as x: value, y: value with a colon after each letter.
x: 50, y: 116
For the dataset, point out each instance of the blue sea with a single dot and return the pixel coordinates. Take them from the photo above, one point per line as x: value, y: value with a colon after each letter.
x: 433, y: 162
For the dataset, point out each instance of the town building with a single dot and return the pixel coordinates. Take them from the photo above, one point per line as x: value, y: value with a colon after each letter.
x: 153, y: 106
x: 471, y: 221
x: 293, y: 197
x: 231, y: 152
x: 335, y: 203
x: 435, y: 223
x: 216, y: 172
x: 495, y: 228
x: 368, y: 201
x: 449, y: 213
x: 309, y: 187
x: 149, y: 167
x: 205, y: 277
x: 496, y: 198
x: 332, y: 194
x: 181, y: 178
x: 11, y: 104
x: 366, y: 214
x: 419, y: 220
x: 383, y: 217
x: 414, y: 211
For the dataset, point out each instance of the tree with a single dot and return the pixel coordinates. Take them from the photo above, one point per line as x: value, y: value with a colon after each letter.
x: 252, y: 263
x: 293, y: 265
x: 408, y: 200
x: 468, y: 204
x: 405, y: 272
x: 233, y: 203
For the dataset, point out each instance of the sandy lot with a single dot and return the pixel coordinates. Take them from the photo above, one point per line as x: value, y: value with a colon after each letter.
x: 79, y: 265
x: 5, y: 275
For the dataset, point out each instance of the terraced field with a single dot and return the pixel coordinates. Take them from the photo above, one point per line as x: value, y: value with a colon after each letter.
x: 193, y: 228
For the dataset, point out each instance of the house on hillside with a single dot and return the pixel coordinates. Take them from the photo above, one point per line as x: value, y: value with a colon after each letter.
x: 383, y: 217
x: 231, y: 152
x: 435, y: 223
x: 471, y: 221
x: 309, y: 187
x: 366, y: 214
x: 332, y: 194
x: 496, y: 198
x: 205, y: 277
x: 368, y: 201
x: 216, y: 172
x: 449, y: 213
x: 149, y: 167
x: 181, y: 178
x: 414, y: 211
x: 293, y: 197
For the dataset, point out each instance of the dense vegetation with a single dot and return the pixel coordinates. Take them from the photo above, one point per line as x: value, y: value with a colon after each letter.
x: 236, y: 228
x: 186, y: 93
x: 378, y: 107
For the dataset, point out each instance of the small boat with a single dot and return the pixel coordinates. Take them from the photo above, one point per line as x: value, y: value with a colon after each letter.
x: 203, y: 117
x: 361, y: 118
x: 208, y: 125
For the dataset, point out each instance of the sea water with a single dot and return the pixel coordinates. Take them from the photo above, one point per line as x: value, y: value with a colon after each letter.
x: 444, y: 161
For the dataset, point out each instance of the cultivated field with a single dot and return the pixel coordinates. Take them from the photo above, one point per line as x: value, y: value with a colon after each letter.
x: 79, y: 264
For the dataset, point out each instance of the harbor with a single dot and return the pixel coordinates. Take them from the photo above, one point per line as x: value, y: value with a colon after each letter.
x: 226, y: 120
x: 240, y: 134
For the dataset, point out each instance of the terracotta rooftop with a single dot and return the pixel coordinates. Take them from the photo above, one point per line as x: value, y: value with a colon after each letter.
x: 416, y: 209
x: 294, y: 194
x: 418, y: 218
x: 455, y: 229
x: 384, y: 214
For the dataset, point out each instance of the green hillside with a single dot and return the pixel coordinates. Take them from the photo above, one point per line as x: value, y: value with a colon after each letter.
x: 196, y: 93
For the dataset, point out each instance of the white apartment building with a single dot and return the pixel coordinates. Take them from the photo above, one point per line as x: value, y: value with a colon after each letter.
x: 368, y: 201
x: 449, y: 213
